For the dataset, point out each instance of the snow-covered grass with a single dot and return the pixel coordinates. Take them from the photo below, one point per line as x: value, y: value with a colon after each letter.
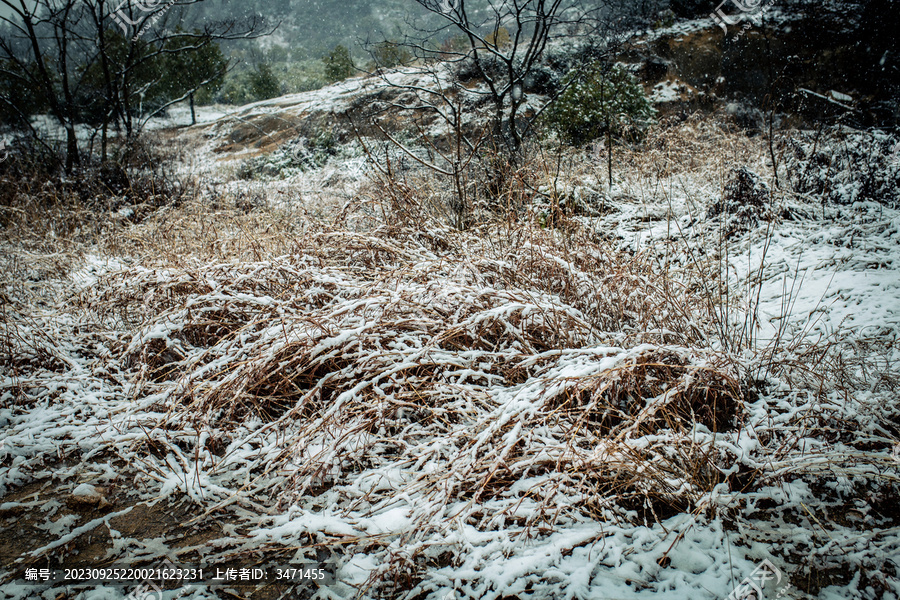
x: 646, y: 398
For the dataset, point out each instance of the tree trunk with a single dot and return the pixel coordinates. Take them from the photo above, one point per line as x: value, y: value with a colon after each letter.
x: 513, y: 126
x: 193, y: 114
x: 103, y: 139
x: 609, y: 151
x: 500, y: 139
x: 72, y: 156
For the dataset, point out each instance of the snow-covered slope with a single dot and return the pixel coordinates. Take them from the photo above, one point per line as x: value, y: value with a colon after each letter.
x: 695, y: 382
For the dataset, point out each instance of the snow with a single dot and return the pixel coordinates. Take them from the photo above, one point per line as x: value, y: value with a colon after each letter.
x: 85, y: 490
x: 179, y: 115
x: 61, y: 526
x: 442, y: 403
x: 671, y: 90
x: 773, y: 15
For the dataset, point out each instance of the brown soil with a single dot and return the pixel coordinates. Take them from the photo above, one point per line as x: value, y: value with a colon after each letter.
x: 181, y: 527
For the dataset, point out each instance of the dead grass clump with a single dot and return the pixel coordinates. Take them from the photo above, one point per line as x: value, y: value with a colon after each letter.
x: 698, y: 144
x: 290, y: 380
x: 745, y: 201
x: 496, y: 361
x: 372, y: 341
x: 655, y: 391
x: 36, y: 194
x: 636, y: 431
x: 24, y: 351
x: 650, y: 483
x: 158, y: 359
x: 614, y: 291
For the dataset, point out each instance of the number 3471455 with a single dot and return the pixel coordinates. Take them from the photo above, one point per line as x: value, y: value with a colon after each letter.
x: 297, y: 574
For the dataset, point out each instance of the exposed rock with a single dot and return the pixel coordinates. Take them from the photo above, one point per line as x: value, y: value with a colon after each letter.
x: 86, y: 497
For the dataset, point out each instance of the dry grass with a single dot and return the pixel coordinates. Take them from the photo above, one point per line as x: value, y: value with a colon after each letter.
x: 506, y: 354
x: 509, y: 379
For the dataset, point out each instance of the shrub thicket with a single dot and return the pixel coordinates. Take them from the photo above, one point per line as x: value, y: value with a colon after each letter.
x: 604, y: 100
x: 338, y: 64
x: 261, y: 83
x: 843, y: 166
x: 391, y: 54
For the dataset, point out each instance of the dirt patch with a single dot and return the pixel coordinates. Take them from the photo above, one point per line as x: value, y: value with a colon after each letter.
x: 35, y: 516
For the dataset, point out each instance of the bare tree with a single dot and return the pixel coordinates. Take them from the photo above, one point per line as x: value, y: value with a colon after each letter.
x: 476, y: 81
x: 47, y: 23
x: 59, y: 49
x: 504, y: 41
x: 447, y: 154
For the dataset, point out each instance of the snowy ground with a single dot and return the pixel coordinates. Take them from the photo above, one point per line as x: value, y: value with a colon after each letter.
x: 178, y: 115
x: 641, y: 405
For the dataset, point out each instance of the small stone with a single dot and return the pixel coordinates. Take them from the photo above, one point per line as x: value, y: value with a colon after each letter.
x: 86, y: 497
